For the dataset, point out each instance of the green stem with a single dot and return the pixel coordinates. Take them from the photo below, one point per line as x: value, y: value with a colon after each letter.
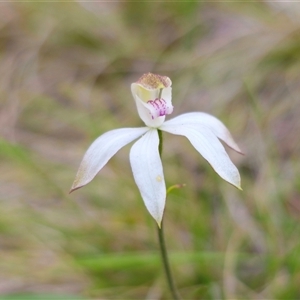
x: 165, y: 260
x: 163, y: 250
x: 160, y: 146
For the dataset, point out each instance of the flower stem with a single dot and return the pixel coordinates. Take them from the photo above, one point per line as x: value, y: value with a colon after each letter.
x: 165, y: 260
x: 163, y: 250
x: 160, y: 146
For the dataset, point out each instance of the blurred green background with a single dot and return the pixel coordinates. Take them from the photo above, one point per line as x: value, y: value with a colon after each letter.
x: 66, y: 70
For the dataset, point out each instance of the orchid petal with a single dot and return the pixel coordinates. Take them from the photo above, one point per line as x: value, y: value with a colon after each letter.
x: 208, y: 145
x: 101, y: 150
x: 148, y: 173
x: 203, y: 119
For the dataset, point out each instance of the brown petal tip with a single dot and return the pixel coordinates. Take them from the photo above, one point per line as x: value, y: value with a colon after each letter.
x: 74, y: 189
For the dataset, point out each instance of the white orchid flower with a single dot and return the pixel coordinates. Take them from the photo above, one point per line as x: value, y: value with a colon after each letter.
x: 152, y: 95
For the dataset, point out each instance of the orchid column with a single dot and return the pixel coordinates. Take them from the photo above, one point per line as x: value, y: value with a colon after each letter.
x: 153, y: 97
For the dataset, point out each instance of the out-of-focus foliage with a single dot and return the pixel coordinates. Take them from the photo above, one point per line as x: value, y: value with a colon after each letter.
x: 66, y: 70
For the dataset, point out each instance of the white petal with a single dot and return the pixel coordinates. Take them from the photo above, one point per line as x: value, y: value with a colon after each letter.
x: 148, y: 173
x: 202, y: 119
x: 208, y: 145
x: 101, y: 150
